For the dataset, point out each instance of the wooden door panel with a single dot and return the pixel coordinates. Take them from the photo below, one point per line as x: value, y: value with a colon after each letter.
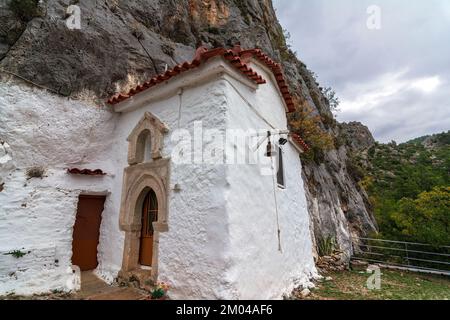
x: 149, y: 215
x: 86, y: 232
x: 146, y: 251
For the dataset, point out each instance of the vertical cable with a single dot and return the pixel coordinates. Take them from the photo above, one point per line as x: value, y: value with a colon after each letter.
x: 180, y: 104
x: 180, y: 95
x: 276, y: 201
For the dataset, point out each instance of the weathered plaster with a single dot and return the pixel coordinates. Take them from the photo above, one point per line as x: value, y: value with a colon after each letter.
x: 37, y: 215
x: 260, y: 270
x: 221, y: 240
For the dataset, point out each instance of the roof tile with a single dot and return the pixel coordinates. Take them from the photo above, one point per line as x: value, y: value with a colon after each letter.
x: 237, y: 57
x: 299, y: 141
x: 86, y: 172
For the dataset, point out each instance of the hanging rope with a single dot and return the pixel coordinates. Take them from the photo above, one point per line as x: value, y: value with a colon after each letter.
x: 255, y: 110
x: 180, y: 95
x: 275, y: 200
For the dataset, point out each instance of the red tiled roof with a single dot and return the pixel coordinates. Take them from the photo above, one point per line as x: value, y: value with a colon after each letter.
x: 86, y: 172
x: 237, y: 57
x: 276, y: 69
x: 299, y: 141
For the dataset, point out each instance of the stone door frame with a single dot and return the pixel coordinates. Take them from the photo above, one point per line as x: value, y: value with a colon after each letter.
x: 138, y: 179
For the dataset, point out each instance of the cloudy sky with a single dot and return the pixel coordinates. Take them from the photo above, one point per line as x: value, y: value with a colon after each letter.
x: 395, y: 78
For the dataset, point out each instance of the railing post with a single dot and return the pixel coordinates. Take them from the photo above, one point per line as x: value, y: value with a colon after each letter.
x: 407, y: 255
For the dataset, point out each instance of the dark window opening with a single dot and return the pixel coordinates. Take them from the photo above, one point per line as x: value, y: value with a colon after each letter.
x: 280, y: 173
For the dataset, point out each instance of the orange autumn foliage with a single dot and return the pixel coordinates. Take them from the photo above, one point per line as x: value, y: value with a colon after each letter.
x: 308, y: 124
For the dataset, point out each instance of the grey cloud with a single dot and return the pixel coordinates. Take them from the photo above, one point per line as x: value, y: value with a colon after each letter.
x: 407, y: 115
x: 331, y: 37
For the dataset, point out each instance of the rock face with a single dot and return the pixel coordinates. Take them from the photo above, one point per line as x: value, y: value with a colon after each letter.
x: 357, y: 136
x: 339, y: 207
x: 120, y: 43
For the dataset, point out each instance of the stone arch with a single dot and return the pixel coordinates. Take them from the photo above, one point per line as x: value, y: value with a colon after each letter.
x: 138, y: 180
x: 148, y: 125
x: 139, y: 177
x: 132, y: 202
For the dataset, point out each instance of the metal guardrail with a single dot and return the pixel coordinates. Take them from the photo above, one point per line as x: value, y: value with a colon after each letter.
x: 412, y: 256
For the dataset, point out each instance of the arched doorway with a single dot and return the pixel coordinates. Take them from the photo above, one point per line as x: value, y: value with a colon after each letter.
x: 149, y: 215
x: 139, y: 180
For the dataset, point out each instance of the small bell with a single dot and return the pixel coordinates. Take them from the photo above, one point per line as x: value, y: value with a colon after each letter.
x: 270, y: 152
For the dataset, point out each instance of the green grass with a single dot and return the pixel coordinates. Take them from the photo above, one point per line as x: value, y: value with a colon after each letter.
x: 395, y: 285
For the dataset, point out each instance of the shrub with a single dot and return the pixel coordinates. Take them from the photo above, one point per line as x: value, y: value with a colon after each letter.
x: 213, y: 30
x: 17, y: 254
x: 35, y: 172
x: 427, y: 218
x: 328, y: 120
x: 24, y: 9
x: 308, y: 125
x: 332, y: 98
x: 355, y: 171
x: 160, y: 291
x: 327, y: 246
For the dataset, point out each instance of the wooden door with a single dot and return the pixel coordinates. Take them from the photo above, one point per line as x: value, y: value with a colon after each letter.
x: 86, y: 232
x: 149, y: 215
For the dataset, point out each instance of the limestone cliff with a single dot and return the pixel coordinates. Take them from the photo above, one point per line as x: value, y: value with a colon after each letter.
x: 120, y: 43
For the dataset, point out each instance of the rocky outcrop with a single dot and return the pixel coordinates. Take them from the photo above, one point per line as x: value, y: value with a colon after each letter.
x: 124, y: 40
x: 337, y: 261
x: 357, y: 136
x: 120, y: 43
x: 339, y: 207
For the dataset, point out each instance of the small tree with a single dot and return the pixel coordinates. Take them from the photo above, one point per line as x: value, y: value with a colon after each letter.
x: 332, y: 98
x: 426, y: 219
x: 308, y: 125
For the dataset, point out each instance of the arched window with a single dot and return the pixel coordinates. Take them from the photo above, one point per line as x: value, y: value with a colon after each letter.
x: 145, y: 141
x: 144, y: 147
x: 280, y: 173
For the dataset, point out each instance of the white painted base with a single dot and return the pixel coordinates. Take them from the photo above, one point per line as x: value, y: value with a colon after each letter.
x: 222, y: 241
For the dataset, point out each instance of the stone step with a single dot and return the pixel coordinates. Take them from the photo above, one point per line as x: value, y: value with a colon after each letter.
x: 94, y: 288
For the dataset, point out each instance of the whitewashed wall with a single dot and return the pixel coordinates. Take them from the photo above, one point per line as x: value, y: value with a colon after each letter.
x: 259, y: 269
x: 191, y: 254
x: 222, y: 239
x: 37, y: 215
